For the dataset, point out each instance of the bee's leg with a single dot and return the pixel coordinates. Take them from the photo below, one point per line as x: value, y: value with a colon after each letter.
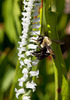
x: 37, y: 44
x: 40, y: 47
x: 36, y: 41
x: 37, y: 53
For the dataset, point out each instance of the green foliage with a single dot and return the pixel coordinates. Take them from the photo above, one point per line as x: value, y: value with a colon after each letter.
x: 11, y: 14
x: 1, y: 35
x: 10, y: 29
x: 59, y: 66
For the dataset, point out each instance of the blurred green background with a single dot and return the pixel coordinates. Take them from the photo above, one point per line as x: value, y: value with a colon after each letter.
x: 10, y: 30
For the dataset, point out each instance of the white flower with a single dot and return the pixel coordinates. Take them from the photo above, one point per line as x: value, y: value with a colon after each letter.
x: 25, y: 14
x: 28, y: 62
x: 28, y: 53
x: 21, y: 55
x: 21, y: 80
x: 24, y: 32
x: 34, y: 73
x: 26, y: 98
x: 28, y: 9
x: 35, y: 32
x: 25, y: 25
x: 22, y: 49
x: 32, y: 46
x: 35, y: 62
x: 32, y: 39
x: 22, y: 64
x: 25, y: 72
x: 18, y: 92
x: 21, y: 84
x: 26, y: 20
x: 31, y: 85
x: 23, y: 43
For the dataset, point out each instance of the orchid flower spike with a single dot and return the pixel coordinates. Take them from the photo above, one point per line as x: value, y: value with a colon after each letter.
x: 31, y: 30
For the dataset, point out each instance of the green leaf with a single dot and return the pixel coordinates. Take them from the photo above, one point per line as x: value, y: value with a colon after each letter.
x: 16, y: 15
x: 1, y: 35
x: 48, y: 3
x: 9, y: 20
x: 18, y: 74
x: 61, y: 83
x: 1, y: 95
x: 7, y: 79
x: 60, y: 6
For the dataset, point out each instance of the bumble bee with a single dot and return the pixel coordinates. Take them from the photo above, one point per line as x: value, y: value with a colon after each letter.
x: 44, y: 44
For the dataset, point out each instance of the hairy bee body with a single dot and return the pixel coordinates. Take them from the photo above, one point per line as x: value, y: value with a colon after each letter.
x: 45, y: 49
x: 41, y: 54
x: 46, y: 42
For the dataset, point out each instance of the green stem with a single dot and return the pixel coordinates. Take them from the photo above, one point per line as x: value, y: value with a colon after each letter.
x: 61, y: 83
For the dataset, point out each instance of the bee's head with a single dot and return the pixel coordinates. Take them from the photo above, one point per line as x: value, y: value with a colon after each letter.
x: 40, y: 39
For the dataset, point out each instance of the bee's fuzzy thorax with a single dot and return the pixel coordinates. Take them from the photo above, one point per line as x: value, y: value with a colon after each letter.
x: 46, y: 41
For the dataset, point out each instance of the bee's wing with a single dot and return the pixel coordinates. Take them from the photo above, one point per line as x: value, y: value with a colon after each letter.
x: 58, y: 41
x: 51, y: 52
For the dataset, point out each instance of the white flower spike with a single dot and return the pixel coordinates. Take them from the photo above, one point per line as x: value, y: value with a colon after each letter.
x: 27, y: 45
